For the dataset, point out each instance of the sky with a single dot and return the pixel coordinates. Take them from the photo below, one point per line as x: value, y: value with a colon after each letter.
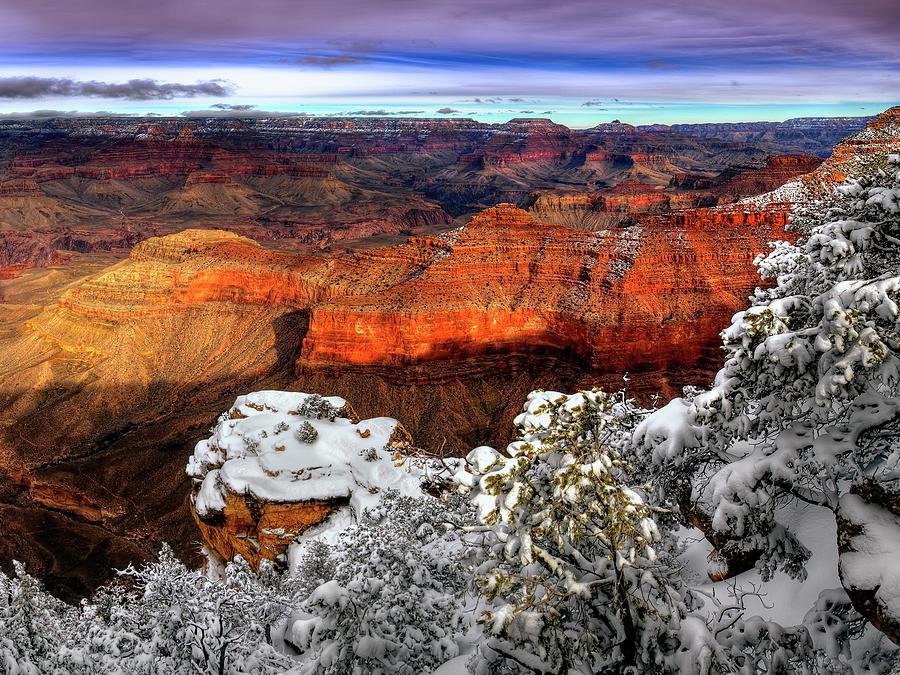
x: 579, y: 62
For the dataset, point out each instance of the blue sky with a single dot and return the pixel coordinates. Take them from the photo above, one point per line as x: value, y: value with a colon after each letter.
x: 587, y: 61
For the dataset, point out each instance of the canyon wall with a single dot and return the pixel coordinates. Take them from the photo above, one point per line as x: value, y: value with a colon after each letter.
x: 109, y: 371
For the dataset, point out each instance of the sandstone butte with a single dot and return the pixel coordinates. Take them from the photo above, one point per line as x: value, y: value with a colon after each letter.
x: 190, y: 317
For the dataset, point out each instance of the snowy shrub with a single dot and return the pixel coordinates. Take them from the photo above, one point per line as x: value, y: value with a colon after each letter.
x: 369, y: 454
x: 34, y: 626
x: 573, y: 577
x: 315, y: 406
x: 251, y: 446
x: 394, y: 603
x: 306, y: 433
x: 576, y: 575
x: 165, y: 619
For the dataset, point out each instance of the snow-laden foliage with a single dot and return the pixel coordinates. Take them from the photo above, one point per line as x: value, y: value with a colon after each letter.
x: 572, y: 574
x: 572, y: 539
x: 808, y: 401
x: 395, y: 602
x: 846, y: 639
x: 160, y: 618
x: 387, y: 597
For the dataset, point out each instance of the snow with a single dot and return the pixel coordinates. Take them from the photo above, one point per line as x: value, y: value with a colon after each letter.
x: 667, y: 431
x: 455, y: 666
x: 255, y: 450
x: 793, y: 192
x: 871, y: 564
x: 786, y: 600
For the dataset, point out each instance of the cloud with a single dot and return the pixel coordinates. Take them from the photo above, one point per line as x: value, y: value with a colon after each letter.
x: 383, y: 113
x: 446, y: 111
x: 492, y: 99
x: 243, y: 107
x: 56, y: 114
x: 661, y: 64
x: 132, y: 90
x: 548, y: 112
x: 327, y: 60
x: 525, y: 42
x: 592, y: 104
x: 240, y: 112
x: 526, y: 112
x: 333, y: 60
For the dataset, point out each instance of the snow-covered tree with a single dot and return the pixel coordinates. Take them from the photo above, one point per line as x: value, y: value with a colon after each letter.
x: 394, y: 604
x: 566, y: 574
x: 33, y: 626
x: 808, y: 401
x: 576, y: 574
x: 159, y: 618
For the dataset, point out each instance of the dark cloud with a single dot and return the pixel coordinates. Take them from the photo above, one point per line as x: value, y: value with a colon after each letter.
x: 243, y: 107
x: 446, y: 111
x: 504, y: 26
x: 568, y: 26
x: 548, y: 112
x: 510, y: 47
x: 661, y: 64
x: 516, y: 100
x: 56, y: 114
x: 526, y: 112
x: 327, y: 60
x: 133, y: 90
x: 592, y: 104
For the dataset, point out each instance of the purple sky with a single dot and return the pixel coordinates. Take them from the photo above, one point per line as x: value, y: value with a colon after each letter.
x: 272, y: 53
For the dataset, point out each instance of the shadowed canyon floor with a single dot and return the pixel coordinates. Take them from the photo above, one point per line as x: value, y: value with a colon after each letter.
x: 114, y: 362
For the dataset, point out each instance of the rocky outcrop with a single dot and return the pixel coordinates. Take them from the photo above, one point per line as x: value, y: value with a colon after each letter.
x: 318, y: 181
x: 281, y: 462
x: 778, y: 170
x: 810, y: 135
x: 258, y: 530
x: 870, y: 146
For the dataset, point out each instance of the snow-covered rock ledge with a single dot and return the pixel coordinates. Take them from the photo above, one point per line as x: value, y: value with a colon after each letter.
x: 280, y: 462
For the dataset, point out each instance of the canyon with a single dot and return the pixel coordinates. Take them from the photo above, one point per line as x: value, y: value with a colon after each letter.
x: 432, y: 271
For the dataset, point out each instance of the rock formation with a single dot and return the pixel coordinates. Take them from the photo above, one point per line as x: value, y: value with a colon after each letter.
x: 79, y: 184
x: 280, y: 462
x: 110, y: 368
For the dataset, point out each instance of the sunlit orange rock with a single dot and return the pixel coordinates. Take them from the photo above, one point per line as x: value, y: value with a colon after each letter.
x: 258, y: 530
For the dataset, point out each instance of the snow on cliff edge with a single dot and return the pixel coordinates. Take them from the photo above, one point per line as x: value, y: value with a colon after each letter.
x: 281, y: 446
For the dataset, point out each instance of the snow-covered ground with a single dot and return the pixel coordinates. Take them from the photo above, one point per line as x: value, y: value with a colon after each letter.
x: 782, y: 599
